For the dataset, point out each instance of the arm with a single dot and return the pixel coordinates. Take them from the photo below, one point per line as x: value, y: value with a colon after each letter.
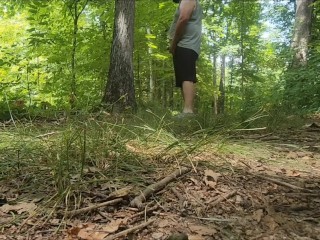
x: 186, y: 9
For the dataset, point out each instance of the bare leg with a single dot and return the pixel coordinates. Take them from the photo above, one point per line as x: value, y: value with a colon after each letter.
x: 188, y: 93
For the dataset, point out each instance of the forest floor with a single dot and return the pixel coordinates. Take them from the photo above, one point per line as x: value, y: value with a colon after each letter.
x: 247, y: 186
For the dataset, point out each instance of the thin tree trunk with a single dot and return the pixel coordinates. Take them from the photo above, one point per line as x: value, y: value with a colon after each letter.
x: 302, y: 32
x: 242, y: 29
x: 231, y: 84
x: 221, y: 101
x: 215, y: 86
x: 119, y: 91
x: 75, y: 13
x: 139, y: 79
x: 151, y: 77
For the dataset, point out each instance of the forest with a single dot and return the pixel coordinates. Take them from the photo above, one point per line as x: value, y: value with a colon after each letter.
x: 90, y: 146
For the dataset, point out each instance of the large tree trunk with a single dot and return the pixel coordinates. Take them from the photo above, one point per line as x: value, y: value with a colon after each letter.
x: 302, y: 28
x: 119, y: 91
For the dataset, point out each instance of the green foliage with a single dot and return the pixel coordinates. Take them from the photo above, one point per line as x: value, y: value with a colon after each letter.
x: 36, y: 56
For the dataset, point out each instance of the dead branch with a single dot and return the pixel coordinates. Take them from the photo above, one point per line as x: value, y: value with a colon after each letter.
x: 145, y: 212
x: 138, y: 201
x: 180, y: 197
x: 94, y: 207
x: 276, y: 181
x: 130, y: 230
x: 222, y: 198
x: 45, y: 135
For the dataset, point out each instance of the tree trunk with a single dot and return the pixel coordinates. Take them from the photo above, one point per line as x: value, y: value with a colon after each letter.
x: 215, y: 86
x: 119, y: 92
x: 302, y: 32
x: 73, y: 86
x: 221, y: 100
x: 75, y: 13
x: 242, y: 29
x: 151, y: 77
x: 231, y: 84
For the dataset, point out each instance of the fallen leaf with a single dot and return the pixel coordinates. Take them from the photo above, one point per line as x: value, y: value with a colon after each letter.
x: 270, y: 222
x: 293, y: 173
x: 292, y: 155
x: 121, y: 192
x: 211, y: 178
x: 163, y: 223
x: 157, y: 235
x: 19, y: 208
x: 195, y: 237
x: 88, y: 234
x: 239, y: 200
x: 306, y: 158
x: 73, y: 231
x: 114, y: 225
x: 203, y: 230
x: 257, y: 215
x: 210, y: 173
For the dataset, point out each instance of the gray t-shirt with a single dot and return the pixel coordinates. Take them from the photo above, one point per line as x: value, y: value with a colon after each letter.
x: 192, y: 36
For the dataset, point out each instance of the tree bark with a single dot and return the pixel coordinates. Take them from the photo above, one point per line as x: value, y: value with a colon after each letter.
x: 221, y: 99
x: 302, y: 32
x: 215, y: 86
x: 119, y: 92
x: 151, y: 77
x: 75, y: 13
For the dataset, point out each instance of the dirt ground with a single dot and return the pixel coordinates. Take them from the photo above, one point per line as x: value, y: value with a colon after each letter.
x: 256, y: 186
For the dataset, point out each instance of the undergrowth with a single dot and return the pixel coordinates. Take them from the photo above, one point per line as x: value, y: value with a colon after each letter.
x: 62, y: 160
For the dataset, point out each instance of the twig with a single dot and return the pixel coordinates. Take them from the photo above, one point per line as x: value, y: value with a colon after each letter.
x: 10, y: 112
x: 222, y: 198
x: 180, y: 197
x: 152, y: 209
x: 138, y: 201
x: 213, y: 219
x: 289, y: 185
x: 88, y: 209
x: 45, y: 135
x: 130, y: 230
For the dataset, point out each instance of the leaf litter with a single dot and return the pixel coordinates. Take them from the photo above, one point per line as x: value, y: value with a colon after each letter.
x: 256, y: 188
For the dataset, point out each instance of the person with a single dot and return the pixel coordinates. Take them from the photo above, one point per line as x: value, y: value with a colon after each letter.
x: 185, y: 36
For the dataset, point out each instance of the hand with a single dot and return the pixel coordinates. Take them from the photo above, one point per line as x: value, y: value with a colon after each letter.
x: 172, y: 48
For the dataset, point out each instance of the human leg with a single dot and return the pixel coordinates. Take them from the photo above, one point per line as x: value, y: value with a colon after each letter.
x: 185, y: 73
x: 188, y: 93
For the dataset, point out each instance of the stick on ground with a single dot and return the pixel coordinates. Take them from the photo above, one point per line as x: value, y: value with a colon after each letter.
x: 139, y: 200
x: 222, y: 198
x: 130, y: 230
x: 282, y: 183
x: 94, y: 207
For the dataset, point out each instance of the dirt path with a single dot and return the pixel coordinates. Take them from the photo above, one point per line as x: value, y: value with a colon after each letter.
x: 263, y: 186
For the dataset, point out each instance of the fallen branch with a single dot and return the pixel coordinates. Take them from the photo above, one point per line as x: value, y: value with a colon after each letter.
x: 145, y: 212
x: 138, y: 201
x: 130, y: 230
x: 94, y: 207
x: 222, y: 198
x: 289, y: 185
x: 45, y: 135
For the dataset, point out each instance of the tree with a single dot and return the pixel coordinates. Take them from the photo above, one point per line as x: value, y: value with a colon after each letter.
x: 302, y: 31
x: 119, y: 92
x: 75, y: 13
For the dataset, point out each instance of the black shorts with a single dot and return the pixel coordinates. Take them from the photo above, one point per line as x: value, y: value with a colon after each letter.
x: 184, y: 62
